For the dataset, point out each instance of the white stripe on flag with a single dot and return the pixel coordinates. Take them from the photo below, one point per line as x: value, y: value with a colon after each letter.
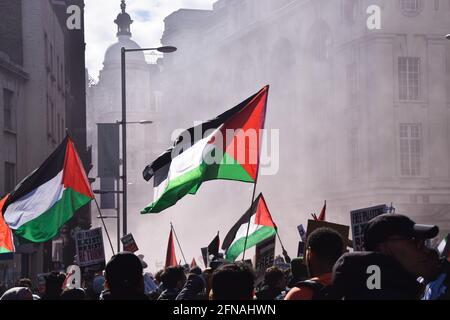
x: 35, y: 203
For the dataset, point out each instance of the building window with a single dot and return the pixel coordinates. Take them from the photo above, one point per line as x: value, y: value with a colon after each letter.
x: 46, y: 44
x: 411, y: 7
x: 52, y: 120
x: 352, y: 85
x: 9, y: 114
x: 409, y: 78
x: 354, y: 152
x: 350, y: 11
x: 10, y: 176
x: 49, y: 130
x: 410, y: 149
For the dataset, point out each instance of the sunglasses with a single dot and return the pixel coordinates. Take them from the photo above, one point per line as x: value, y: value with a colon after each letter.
x: 418, y: 243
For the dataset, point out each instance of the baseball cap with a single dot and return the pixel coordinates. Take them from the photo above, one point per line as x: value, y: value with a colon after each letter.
x: 386, y: 225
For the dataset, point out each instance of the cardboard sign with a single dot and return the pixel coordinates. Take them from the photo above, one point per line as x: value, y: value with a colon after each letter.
x: 359, y: 219
x: 302, y: 232
x: 341, y: 229
x: 265, y: 254
x: 301, y: 249
x: 90, y: 250
x: 128, y: 243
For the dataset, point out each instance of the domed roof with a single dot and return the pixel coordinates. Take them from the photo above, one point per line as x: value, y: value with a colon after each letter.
x: 113, y: 53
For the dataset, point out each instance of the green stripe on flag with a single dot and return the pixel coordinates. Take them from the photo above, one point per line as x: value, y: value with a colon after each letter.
x: 253, y: 239
x: 177, y: 189
x: 3, y: 250
x: 47, y: 225
x: 228, y: 169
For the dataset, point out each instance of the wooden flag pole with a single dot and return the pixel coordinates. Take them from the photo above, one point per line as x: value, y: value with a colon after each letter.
x: 179, y: 246
x: 257, y: 173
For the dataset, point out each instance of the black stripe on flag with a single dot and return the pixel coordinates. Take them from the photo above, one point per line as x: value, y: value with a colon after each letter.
x: 166, y: 157
x: 47, y: 171
x: 231, y: 235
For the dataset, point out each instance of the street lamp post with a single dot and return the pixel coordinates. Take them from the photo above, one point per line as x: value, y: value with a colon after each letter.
x: 165, y: 49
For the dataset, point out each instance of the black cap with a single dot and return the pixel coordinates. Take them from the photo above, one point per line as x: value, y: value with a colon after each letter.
x: 387, y: 225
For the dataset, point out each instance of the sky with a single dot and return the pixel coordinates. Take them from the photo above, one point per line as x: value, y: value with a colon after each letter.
x: 147, y: 29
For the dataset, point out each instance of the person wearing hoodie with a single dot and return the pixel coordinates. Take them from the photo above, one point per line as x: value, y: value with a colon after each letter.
x: 194, y: 289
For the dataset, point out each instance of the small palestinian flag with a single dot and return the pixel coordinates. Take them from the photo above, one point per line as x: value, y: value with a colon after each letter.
x: 48, y: 198
x: 6, y: 239
x: 226, y: 147
x: 171, y: 258
x: 193, y: 263
x: 261, y: 228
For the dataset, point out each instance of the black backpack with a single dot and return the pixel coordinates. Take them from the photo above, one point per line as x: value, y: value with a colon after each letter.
x: 321, y: 292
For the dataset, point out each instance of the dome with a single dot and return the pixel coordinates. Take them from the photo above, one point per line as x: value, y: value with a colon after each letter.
x: 113, y: 53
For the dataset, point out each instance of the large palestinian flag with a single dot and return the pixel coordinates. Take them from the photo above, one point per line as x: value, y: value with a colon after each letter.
x: 261, y: 227
x: 48, y: 198
x: 6, y: 240
x: 226, y: 147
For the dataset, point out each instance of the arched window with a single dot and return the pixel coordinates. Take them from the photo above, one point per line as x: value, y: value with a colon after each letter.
x: 350, y: 11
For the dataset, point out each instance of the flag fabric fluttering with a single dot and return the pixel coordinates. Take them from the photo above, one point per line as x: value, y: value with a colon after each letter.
x: 261, y: 227
x: 45, y: 200
x: 6, y: 239
x: 322, y: 213
x: 171, y: 259
x: 193, y: 263
x: 213, y: 247
x: 226, y: 147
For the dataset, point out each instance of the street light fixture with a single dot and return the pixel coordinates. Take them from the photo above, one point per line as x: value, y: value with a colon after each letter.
x: 136, y: 122
x: 448, y: 36
x: 164, y: 49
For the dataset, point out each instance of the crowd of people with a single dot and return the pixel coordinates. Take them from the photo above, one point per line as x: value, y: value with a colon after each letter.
x: 396, y: 265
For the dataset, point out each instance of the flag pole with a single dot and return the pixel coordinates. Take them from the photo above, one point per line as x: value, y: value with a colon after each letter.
x: 257, y: 173
x: 104, y: 225
x: 179, y: 246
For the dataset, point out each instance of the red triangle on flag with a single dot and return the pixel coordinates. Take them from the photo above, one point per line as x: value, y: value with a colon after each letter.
x: 322, y: 213
x: 193, y: 263
x: 171, y: 259
x: 263, y: 216
x: 6, y: 240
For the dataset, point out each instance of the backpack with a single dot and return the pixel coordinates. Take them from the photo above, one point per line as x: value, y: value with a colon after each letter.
x: 321, y: 292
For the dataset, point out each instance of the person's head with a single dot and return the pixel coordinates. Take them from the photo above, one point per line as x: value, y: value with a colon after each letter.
x: 73, y: 294
x: 123, y: 274
x: 196, y: 270
x: 173, y: 278
x: 233, y: 282
x: 299, y: 269
x: 275, y: 278
x: 158, y: 276
x: 401, y: 238
x: 53, y: 285
x: 18, y: 293
x: 324, y: 246
x: 25, y: 282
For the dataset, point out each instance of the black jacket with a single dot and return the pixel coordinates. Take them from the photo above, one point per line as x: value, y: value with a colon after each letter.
x: 350, y: 275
